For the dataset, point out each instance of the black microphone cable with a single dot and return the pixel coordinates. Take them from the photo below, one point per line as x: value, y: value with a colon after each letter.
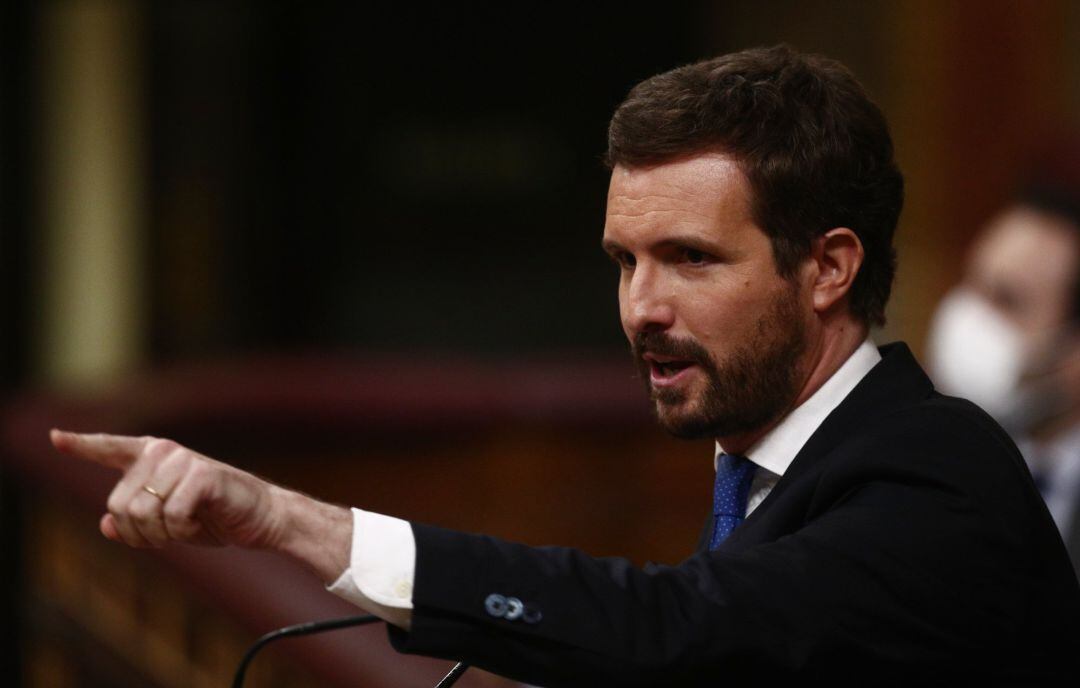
x: 318, y: 627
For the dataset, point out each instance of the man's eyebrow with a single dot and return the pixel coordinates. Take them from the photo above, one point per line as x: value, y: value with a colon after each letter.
x: 611, y: 246
x: 692, y: 241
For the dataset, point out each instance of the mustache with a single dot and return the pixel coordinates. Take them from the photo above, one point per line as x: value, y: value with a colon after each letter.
x: 663, y: 344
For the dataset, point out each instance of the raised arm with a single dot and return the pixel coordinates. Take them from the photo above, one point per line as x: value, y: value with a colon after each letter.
x: 169, y: 493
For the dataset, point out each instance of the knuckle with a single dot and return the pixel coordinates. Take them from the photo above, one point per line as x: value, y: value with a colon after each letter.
x: 140, y: 510
x: 200, y: 470
x: 115, y: 504
x: 173, y: 460
x: 176, y: 514
x: 159, y: 449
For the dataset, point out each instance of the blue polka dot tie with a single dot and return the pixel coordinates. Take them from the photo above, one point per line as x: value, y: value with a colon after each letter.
x: 733, y: 477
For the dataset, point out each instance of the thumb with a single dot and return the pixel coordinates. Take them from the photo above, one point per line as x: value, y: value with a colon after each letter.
x: 108, y: 528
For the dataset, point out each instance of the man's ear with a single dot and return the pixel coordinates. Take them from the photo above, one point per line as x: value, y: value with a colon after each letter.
x: 836, y: 257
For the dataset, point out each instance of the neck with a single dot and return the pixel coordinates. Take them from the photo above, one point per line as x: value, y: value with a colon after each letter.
x: 829, y: 347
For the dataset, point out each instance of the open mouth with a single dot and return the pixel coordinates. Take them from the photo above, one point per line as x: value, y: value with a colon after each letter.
x: 663, y: 370
x: 669, y: 368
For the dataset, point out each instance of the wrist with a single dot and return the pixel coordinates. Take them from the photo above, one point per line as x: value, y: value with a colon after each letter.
x: 314, y: 533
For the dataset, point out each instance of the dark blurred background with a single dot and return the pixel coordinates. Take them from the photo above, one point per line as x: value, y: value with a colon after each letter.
x: 367, y: 237
x: 185, y: 180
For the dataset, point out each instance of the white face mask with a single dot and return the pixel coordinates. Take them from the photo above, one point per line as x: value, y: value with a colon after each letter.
x: 976, y: 353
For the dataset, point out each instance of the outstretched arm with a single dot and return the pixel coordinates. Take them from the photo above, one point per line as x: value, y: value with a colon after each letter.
x: 169, y: 493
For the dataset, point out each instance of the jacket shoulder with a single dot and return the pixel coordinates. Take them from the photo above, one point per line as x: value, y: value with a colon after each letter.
x: 942, y: 435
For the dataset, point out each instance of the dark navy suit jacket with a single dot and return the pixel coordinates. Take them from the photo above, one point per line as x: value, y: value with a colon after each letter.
x: 906, y: 543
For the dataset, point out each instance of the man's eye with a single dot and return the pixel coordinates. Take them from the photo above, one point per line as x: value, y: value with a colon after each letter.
x: 625, y: 260
x: 691, y: 255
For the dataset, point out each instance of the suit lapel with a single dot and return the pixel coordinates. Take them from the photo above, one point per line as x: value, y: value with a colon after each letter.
x: 896, y: 381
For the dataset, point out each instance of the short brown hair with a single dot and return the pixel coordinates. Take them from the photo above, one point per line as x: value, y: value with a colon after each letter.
x: 814, y: 147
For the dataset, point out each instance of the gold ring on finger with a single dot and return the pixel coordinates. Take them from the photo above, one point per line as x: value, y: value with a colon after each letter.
x: 147, y: 488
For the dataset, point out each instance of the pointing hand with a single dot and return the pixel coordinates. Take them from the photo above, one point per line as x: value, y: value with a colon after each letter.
x: 169, y: 493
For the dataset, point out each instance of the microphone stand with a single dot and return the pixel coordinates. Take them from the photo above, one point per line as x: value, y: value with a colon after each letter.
x: 318, y: 627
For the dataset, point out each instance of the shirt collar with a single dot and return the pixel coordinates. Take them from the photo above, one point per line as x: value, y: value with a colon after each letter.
x: 777, y: 449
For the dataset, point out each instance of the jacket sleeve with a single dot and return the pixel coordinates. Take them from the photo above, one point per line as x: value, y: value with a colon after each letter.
x: 896, y: 562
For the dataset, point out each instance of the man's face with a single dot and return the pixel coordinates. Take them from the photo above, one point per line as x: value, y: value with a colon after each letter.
x: 1025, y: 266
x: 1004, y: 339
x: 717, y: 333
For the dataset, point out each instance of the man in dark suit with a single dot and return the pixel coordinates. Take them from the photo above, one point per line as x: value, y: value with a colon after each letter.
x: 860, y: 522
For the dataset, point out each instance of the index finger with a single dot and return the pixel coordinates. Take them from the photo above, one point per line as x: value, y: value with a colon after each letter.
x: 114, y: 451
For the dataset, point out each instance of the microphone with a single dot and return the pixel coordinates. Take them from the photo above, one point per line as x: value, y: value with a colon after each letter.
x: 318, y: 627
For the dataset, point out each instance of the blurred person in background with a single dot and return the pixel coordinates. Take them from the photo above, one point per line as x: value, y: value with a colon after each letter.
x: 1008, y: 336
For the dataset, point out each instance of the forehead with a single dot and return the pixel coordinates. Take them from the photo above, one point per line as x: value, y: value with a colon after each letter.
x: 1028, y: 258
x: 1028, y: 249
x: 701, y: 190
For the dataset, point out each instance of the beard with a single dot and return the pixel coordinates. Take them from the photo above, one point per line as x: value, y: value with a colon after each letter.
x: 747, y: 390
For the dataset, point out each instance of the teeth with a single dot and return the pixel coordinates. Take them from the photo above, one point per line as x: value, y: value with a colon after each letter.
x: 670, y: 368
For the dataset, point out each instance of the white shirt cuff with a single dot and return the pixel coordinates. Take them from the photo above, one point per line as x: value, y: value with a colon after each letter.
x: 382, y: 563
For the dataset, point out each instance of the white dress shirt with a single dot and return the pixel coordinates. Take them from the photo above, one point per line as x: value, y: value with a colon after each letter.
x: 382, y: 565
x: 774, y: 452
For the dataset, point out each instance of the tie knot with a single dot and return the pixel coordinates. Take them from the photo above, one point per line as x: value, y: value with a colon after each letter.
x: 734, y: 474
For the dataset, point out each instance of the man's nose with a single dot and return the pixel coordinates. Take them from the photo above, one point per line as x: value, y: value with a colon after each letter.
x: 648, y: 305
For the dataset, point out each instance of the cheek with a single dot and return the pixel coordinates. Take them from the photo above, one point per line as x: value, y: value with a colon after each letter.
x: 727, y: 318
x: 713, y: 326
x: 719, y: 312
